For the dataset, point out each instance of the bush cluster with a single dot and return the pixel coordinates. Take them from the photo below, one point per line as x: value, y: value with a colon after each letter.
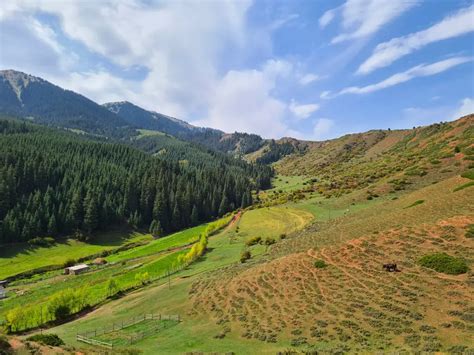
x: 47, y: 339
x: 442, y: 262
x: 320, y: 264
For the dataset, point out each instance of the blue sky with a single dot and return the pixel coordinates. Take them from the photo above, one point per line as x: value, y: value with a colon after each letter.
x: 308, y: 69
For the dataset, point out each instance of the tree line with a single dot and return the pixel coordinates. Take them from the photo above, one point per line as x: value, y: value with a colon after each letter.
x: 54, y: 183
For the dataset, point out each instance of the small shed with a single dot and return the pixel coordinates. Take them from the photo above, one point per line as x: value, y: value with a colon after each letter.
x: 76, y: 269
x: 3, y: 292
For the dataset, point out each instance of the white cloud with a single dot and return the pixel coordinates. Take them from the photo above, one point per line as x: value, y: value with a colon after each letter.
x: 322, y: 128
x: 243, y: 101
x: 180, y: 44
x: 466, y: 108
x: 327, y: 18
x: 325, y: 95
x: 388, y: 52
x: 418, y: 71
x: 30, y: 45
x: 303, y: 111
x: 309, y: 78
x: 361, y: 18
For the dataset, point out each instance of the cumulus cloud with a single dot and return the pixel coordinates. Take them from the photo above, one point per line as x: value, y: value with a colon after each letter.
x: 322, y: 128
x: 386, y: 53
x: 417, y: 71
x: 303, y: 111
x: 361, y: 18
x: 243, y: 101
x: 466, y: 107
x: 180, y: 44
x: 308, y: 78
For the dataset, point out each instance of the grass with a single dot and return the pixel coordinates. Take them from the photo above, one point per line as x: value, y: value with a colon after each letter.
x: 470, y: 231
x: 287, y: 183
x: 464, y: 186
x: 442, y: 262
x: 272, y: 221
x: 355, y: 306
x: 19, y: 258
x: 224, y: 250
x: 181, y: 238
x: 468, y: 174
x: 149, y: 133
x: 416, y: 203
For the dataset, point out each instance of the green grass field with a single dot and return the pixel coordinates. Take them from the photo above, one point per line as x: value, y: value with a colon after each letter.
x: 22, y: 257
x: 224, y: 249
x: 178, y: 239
x: 149, y: 132
x: 287, y: 183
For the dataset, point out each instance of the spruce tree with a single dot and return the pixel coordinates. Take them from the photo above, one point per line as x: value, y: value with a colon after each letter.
x: 91, y: 215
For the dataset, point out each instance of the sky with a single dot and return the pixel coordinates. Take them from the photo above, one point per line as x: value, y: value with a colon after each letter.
x: 309, y: 69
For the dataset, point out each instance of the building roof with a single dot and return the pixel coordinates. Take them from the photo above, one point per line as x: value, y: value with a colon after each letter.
x: 78, y: 267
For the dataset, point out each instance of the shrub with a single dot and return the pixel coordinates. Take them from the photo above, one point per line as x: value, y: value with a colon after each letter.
x: 5, y: 347
x: 246, y: 255
x: 47, y: 339
x: 282, y: 236
x: 69, y: 262
x: 41, y: 242
x: 470, y: 231
x: 442, y: 262
x: 468, y: 174
x: 320, y: 264
x: 253, y: 241
x: 269, y: 241
x: 416, y: 203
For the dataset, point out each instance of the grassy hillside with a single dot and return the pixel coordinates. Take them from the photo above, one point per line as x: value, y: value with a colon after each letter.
x: 18, y: 258
x: 302, y: 269
x: 386, y: 160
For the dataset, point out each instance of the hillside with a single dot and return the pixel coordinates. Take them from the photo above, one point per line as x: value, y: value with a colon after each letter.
x: 235, y: 143
x: 302, y: 269
x: 385, y: 160
x: 27, y: 96
x: 55, y: 183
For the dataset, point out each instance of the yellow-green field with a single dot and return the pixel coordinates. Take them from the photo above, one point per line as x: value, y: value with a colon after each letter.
x: 19, y: 258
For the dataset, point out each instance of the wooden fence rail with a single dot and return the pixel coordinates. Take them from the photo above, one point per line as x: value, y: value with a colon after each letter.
x: 88, y: 337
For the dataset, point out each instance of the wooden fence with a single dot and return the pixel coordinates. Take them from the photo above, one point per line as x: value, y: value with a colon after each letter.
x: 89, y: 337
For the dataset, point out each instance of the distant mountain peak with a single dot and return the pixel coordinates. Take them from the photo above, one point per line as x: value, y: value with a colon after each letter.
x: 18, y: 80
x: 123, y: 108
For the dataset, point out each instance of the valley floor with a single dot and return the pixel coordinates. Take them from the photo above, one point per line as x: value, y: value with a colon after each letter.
x: 282, y: 298
x: 279, y: 300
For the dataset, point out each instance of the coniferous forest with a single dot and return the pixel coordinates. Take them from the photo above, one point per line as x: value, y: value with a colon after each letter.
x: 55, y: 183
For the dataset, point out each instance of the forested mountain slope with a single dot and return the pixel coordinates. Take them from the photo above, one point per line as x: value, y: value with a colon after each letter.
x: 54, y: 183
x: 239, y: 143
x: 27, y: 96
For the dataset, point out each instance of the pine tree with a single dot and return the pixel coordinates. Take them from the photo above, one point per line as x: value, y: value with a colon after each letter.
x: 155, y: 229
x: 91, y: 216
x: 194, y: 216
x: 224, y: 206
x: 52, y: 227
